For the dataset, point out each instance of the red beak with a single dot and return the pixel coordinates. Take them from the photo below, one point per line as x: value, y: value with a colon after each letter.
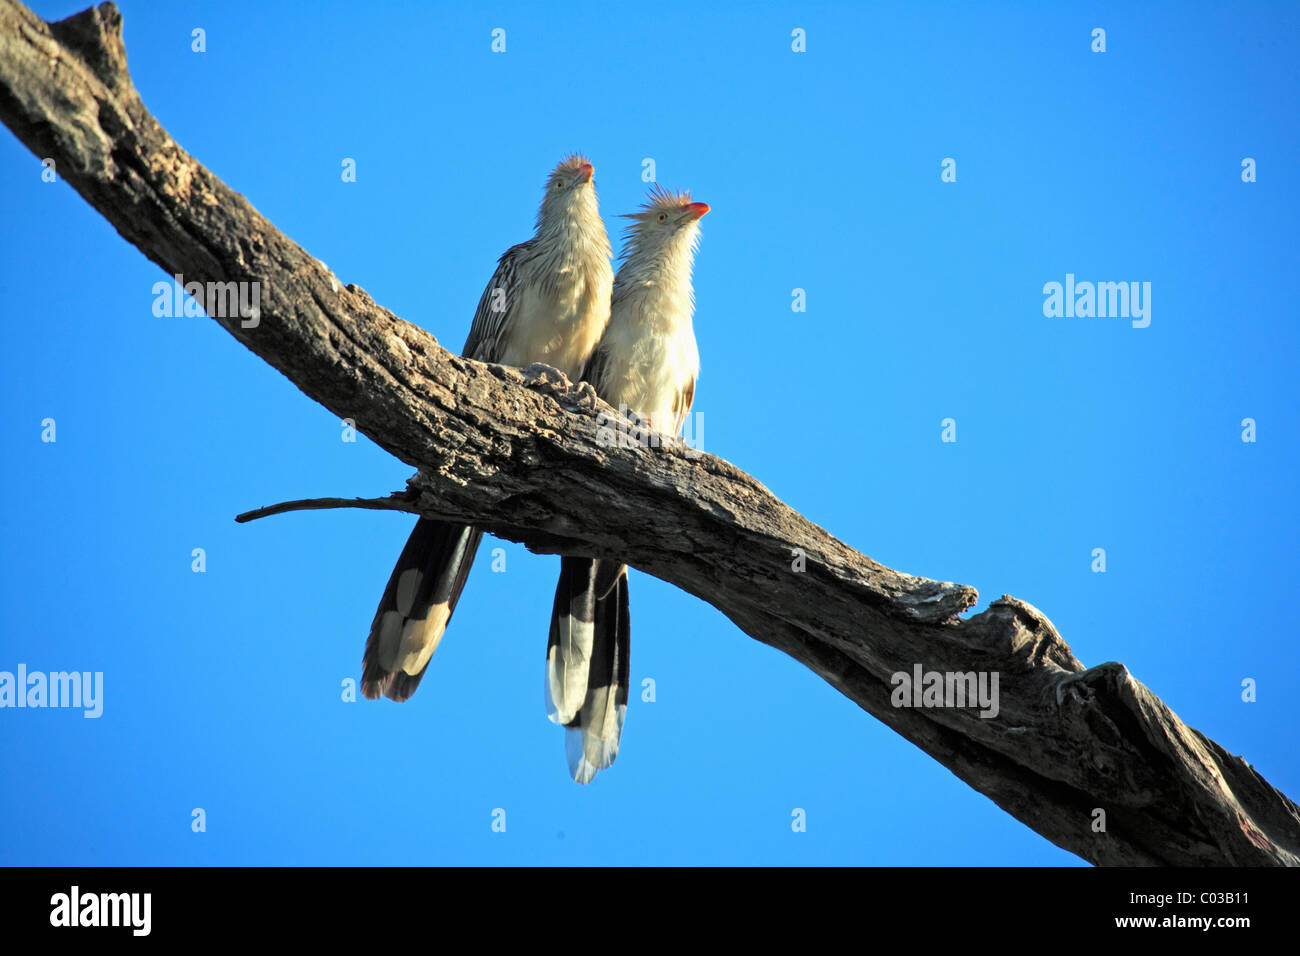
x: 586, y: 170
x: 699, y: 209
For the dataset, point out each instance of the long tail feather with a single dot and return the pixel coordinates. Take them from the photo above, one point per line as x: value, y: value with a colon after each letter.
x: 592, y: 737
x: 569, y: 645
x: 417, y: 604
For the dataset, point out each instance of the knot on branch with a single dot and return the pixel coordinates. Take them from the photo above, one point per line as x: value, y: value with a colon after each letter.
x: 935, y: 602
x: 95, y: 36
x: 1015, y: 630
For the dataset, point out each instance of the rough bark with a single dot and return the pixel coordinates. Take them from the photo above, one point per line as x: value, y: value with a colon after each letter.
x: 518, y: 454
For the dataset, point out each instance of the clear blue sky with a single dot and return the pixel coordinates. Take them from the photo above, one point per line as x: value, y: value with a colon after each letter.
x: 924, y: 302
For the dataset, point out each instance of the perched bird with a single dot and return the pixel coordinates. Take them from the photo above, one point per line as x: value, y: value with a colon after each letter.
x: 646, y: 362
x: 547, y: 302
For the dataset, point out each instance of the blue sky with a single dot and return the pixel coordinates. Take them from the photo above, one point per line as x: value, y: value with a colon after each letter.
x: 222, y: 689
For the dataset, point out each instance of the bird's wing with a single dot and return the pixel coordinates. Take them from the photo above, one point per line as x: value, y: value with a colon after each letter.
x: 498, y: 306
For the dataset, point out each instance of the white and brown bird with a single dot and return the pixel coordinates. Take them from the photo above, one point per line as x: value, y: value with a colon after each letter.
x: 646, y: 362
x: 547, y: 302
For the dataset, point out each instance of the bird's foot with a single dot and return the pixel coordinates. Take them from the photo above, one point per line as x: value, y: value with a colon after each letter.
x: 585, y: 395
x: 539, y: 373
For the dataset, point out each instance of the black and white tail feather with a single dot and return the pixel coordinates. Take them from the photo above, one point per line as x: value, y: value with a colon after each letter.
x: 587, y: 664
x: 421, y: 595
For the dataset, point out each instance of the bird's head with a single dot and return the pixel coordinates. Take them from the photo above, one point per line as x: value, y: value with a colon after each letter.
x: 570, y: 194
x: 665, y: 213
x: 667, y: 225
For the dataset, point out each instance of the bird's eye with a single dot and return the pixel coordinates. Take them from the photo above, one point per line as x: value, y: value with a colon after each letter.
x: 559, y: 184
x: 663, y: 217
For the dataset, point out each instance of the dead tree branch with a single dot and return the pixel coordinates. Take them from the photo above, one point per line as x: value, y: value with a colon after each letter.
x: 518, y: 455
x: 398, y: 501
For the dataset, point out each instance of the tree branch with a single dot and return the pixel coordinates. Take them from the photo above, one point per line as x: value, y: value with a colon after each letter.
x: 520, y: 456
x: 397, y: 501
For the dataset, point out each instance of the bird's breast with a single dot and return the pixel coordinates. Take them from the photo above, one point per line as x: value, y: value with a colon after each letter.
x: 559, y: 326
x: 649, y: 365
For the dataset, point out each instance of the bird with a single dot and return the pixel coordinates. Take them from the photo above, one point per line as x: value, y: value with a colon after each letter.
x: 647, y: 363
x: 547, y: 302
